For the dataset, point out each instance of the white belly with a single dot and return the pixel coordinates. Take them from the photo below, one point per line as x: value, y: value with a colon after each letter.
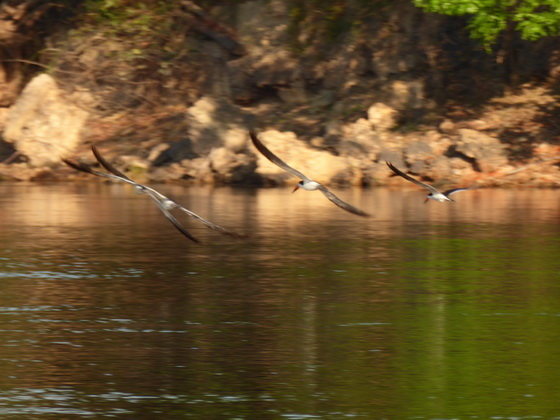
x: 310, y: 185
x: 439, y: 197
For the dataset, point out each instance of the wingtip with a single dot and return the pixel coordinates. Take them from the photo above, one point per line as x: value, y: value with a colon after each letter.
x: 82, y: 167
x: 362, y: 213
x: 96, y: 153
x: 228, y: 232
x: 358, y: 212
x: 103, y: 162
x: 68, y: 162
x: 392, y: 167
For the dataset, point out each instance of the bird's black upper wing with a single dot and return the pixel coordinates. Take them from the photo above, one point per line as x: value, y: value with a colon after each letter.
x: 400, y: 173
x: 275, y: 159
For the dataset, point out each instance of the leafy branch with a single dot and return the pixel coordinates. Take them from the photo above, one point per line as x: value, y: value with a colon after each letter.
x: 533, y: 19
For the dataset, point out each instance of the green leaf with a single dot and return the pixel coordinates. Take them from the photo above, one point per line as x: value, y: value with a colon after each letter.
x: 489, y: 18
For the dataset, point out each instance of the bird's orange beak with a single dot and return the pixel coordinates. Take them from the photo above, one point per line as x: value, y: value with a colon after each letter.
x: 295, y: 188
x: 426, y: 200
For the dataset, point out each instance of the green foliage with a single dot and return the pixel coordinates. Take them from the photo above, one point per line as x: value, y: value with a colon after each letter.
x: 534, y: 19
x: 129, y: 17
x: 534, y: 25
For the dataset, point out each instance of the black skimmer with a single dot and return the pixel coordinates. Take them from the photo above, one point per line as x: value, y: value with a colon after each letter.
x: 305, y: 183
x: 434, y: 193
x: 164, y: 203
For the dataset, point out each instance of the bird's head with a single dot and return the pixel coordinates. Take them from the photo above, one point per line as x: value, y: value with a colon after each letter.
x: 297, y: 187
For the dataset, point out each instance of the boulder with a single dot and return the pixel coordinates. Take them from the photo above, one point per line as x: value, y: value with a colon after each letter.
x: 439, y: 169
x: 488, y: 153
x: 382, y: 117
x: 319, y: 165
x: 377, y: 174
x: 407, y: 94
x: 172, y: 172
x: 166, y: 153
x: 231, y: 168
x: 198, y: 170
x: 448, y: 127
x: 215, y: 123
x: 418, y: 151
x: 393, y: 156
x: 418, y: 167
x: 360, y: 141
x: 43, y: 124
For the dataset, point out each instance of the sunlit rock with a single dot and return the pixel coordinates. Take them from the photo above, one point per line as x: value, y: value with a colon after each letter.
x: 198, y: 170
x: 488, y: 152
x: 170, y: 172
x: 43, y: 124
x: 439, y: 169
x: 319, y: 165
x: 407, y: 94
x: 360, y: 140
x: 395, y: 156
x: 418, y: 151
x: 231, y: 168
x: 215, y: 123
x: 447, y: 127
x: 382, y: 117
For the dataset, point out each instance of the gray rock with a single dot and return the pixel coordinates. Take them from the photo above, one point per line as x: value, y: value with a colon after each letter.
x: 418, y: 151
x: 439, y: 170
x: 167, y: 173
x: 393, y: 156
x: 324, y: 99
x: 198, y: 169
x: 361, y: 141
x: 376, y: 174
x: 488, y: 153
x: 418, y: 167
x: 174, y: 152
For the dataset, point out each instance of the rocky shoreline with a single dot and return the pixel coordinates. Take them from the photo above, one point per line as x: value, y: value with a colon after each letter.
x: 209, y: 144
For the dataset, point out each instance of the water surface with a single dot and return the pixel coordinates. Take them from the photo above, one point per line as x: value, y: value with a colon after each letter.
x: 424, y: 311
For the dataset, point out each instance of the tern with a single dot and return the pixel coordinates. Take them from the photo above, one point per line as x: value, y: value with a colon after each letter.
x: 305, y: 183
x: 164, y: 204
x: 434, y: 193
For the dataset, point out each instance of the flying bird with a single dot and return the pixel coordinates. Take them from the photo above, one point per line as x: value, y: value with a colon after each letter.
x: 434, y: 193
x: 164, y: 204
x: 305, y: 183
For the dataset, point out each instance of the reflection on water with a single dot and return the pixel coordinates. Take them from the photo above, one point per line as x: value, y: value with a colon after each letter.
x: 423, y: 311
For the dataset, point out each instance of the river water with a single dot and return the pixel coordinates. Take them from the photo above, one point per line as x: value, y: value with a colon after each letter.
x: 424, y: 311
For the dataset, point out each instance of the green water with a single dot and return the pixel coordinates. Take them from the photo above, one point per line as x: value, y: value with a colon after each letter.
x: 436, y: 311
